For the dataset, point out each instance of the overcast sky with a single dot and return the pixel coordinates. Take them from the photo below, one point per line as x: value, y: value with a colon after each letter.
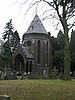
x: 11, y: 10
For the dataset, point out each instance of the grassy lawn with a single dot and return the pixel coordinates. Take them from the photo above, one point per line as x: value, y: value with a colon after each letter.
x: 38, y: 89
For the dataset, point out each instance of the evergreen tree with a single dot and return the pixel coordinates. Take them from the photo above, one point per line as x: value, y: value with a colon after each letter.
x: 57, y: 59
x: 8, y: 33
x: 7, y: 36
x: 58, y: 50
x: 2, y: 63
x: 60, y: 40
x: 15, y: 40
x: 72, y: 50
x: 54, y: 44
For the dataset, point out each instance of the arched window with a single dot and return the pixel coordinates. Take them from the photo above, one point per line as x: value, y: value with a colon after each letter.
x: 38, y: 51
x: 46, y: 53
x: 27, y: 64
x: 46, y: 47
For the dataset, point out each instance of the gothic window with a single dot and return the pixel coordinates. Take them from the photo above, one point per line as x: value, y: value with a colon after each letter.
x: 38, y: 51
x: 46, y: 47
x: 27, y: 64
x: 46, y: 53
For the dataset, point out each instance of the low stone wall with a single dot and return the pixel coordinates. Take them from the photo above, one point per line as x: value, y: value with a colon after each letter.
x: 4, y: 97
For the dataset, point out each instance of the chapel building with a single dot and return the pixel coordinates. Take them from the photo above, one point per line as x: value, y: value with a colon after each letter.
x: 34, y: 55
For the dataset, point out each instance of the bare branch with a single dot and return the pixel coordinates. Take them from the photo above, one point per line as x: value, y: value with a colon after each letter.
x: 46, y: 12
x: 72, y: 25
x: 61, y: 7
x: 25, y: 2
x: 49, y: 3
x: 32, y: 5
x: 14, y: 2
x: 70, y: 16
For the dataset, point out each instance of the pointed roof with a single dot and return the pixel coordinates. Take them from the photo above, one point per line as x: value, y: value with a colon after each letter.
x: 36, y: 26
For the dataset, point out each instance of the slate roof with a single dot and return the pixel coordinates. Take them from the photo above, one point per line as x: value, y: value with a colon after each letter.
x: 36, y: 26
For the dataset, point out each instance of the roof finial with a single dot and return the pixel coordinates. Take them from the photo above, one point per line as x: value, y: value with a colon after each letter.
x: 36, y: 9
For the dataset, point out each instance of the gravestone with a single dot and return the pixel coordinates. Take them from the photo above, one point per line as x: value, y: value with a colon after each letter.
x: 1, y: 75
x: 14, y: 74
x: 4, y: 97
x: 19, y: 76
x: 9, y: 74
x: 61, y: 74
x: 74, y: 73
x: 24, y: 75
x: 54, y: 73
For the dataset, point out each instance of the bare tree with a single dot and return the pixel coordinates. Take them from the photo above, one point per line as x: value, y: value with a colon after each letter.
x: 64, y: 11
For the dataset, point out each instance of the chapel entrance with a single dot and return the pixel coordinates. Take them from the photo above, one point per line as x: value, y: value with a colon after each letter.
x: 19, y: 64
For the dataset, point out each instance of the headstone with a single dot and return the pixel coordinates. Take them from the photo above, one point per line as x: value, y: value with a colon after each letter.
x: 4, y: 97
x: 24, y: 75
x: 19, y: 76
x: 54, y: 73
x: 9, y: 74
x: 73, y: 73
x: 44, y: 72
x: 0, y: 74
x: 61, y: 75
x: 14, y: 74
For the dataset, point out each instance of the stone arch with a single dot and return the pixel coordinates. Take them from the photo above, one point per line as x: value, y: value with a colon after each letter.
x: 19, y: 63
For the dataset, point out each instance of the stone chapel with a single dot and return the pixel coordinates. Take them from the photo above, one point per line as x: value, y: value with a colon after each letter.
x: 34, y: 55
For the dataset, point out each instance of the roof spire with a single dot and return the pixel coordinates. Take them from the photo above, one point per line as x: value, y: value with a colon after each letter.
x: 36, y: 26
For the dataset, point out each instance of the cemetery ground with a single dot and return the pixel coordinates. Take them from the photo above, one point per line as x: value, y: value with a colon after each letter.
x: 38, y: 89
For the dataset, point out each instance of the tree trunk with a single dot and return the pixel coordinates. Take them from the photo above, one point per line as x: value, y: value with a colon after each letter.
x: 66, y: 55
